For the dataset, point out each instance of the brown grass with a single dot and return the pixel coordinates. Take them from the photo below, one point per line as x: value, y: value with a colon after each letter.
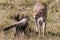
x: 9, y: 9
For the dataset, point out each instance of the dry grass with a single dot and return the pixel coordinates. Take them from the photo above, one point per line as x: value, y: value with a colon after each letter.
x: 10, y: 8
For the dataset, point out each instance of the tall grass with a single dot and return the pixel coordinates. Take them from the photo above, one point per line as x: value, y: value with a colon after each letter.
x: 13, y: 7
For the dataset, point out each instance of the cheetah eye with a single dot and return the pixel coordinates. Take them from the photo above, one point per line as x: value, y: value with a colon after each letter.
x: 42, y: 9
